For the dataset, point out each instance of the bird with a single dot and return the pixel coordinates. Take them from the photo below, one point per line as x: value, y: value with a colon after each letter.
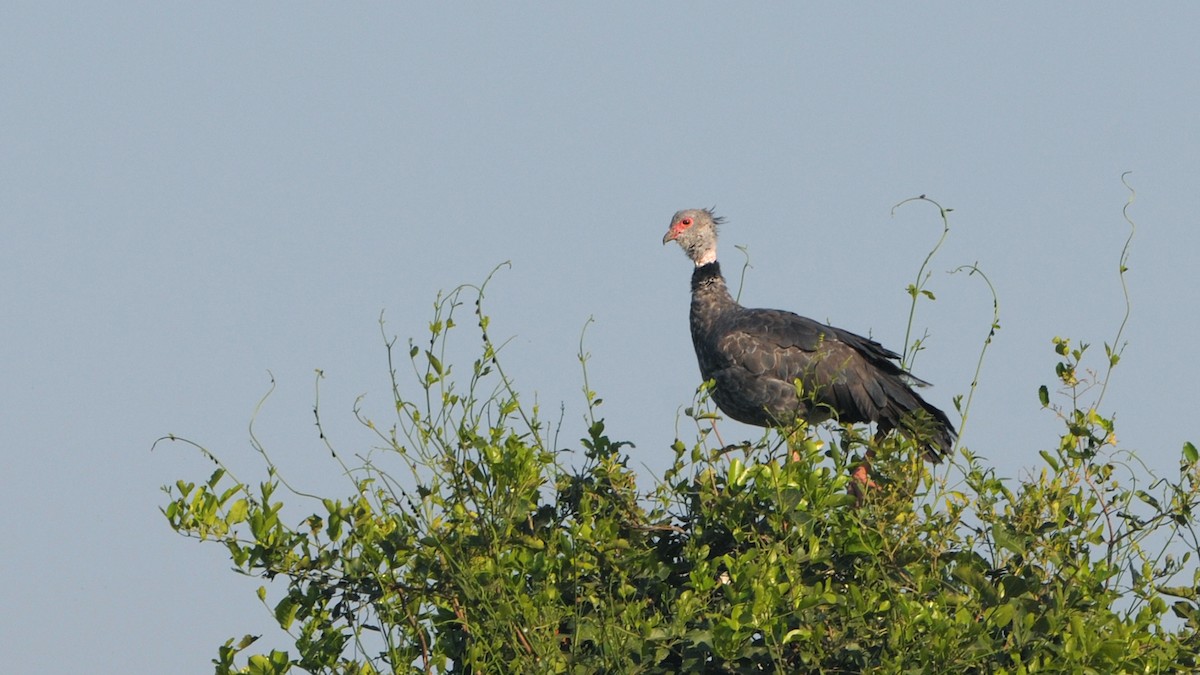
x: 771, y: 367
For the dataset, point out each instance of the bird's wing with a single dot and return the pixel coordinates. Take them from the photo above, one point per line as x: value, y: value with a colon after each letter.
x: 849, y: 373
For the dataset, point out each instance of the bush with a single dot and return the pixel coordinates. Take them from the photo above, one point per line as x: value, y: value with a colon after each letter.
x: 464, y: 544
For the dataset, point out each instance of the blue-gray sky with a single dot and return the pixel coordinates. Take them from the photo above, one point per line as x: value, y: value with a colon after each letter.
x: 195, y: 194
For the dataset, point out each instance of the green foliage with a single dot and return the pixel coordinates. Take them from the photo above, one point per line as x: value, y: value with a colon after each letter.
x: 488, y: 555
x: 465, y: 543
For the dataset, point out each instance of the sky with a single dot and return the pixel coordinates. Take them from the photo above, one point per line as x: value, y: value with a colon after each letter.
x: 196, y: 197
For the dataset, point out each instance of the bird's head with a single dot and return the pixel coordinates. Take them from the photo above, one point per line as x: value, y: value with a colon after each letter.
x: 696, y: 232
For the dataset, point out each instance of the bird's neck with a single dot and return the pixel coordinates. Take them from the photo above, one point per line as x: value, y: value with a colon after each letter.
x: 707, y: 256
x: 709, y: 291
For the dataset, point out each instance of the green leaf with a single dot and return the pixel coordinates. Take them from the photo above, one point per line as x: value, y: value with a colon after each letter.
x: 1190, y: 453
x: 285, y: 612
x: 238, y: 511
x: 1002, y: 616
x: 737, y: 473
x: 796, y: 634
x: 275, y: 663
x: 1044, y: 395
x: 1050, y: 459
x: 1007, y: 539
x: 434, y: 363
x: 1148, y: 498
x: 1186, y: 592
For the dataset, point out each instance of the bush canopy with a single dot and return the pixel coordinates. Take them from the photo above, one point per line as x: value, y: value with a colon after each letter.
x: 464, y: 543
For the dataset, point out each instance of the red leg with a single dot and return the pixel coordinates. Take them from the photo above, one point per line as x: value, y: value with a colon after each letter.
x: 861, y: 478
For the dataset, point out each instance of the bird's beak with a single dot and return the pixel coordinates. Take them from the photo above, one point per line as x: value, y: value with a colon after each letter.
x: 669, y: 236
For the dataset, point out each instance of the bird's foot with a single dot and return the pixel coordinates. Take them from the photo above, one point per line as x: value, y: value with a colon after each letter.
x: 861, y: 483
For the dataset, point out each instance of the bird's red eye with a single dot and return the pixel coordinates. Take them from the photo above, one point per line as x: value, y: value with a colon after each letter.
x: 686, y: 222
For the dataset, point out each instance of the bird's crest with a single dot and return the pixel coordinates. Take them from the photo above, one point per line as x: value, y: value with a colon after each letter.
x: 717, y: 220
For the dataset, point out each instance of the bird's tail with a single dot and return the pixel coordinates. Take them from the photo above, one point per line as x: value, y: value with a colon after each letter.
x: 921, y: 421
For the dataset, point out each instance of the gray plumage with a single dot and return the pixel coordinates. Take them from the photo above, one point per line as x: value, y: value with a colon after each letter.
x: 756, y: 356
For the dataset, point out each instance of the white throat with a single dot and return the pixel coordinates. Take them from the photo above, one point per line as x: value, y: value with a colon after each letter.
x: 709, y: 256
